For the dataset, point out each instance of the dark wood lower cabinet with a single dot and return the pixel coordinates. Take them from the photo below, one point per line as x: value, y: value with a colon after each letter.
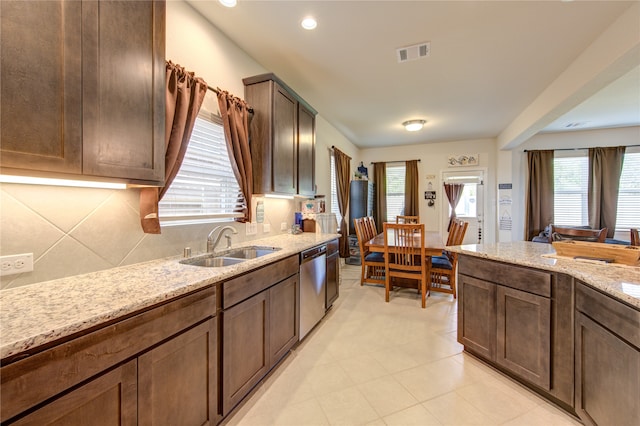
x: 519, y: 320
x: 244, y: 348
x: 177, y: 380
x: 256, y: 334
x: 607, y: 362
x: 477, y: 316
x: 523, y: 343
x: 283, y: 318
x: 333, y: 273
x: 109, y: 399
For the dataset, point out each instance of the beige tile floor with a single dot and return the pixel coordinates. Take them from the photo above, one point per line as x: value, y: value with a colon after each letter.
x: 375, y: 363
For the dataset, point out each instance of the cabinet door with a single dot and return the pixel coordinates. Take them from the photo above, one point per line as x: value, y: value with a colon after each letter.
x: 607, y: 376
x: 177, y: 380
x: 283, y: 318
x: 109, y: 399
x: 306, y: 151
x: 524, y: 335
x: 123, y: 89
x: 244, y: 348
x: 41, y: 92
x: 477, y: 316
x: 333, y: 278
x: 285, y: 158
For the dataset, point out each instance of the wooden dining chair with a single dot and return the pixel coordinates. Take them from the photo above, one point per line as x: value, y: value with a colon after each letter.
x: 372, y: 263
x: 635, y: 239
x: 444, y: 268
x: 370, y: 224
x: 404, y: 256
x: 407, y: 219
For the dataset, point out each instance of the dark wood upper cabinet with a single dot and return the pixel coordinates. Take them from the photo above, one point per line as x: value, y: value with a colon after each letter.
x: 84, y: 94
x: 282, y: 137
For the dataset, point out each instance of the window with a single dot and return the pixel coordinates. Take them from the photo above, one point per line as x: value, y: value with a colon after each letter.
x: 467, y: 206
x: 628, y: 214
x: 395, y: 191
x: 334, y: 191
x: 205, y: 189
x: 571, y: 180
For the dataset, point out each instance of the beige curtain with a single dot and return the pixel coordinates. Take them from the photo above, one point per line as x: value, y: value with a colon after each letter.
x: 539, y: 196
x: 184, y: 96
x: 343, y: 173
x: 380, y: 205
x: 453, y: 192
x: 605, y: 168
x: 235, y: 120
x: 411, y: 196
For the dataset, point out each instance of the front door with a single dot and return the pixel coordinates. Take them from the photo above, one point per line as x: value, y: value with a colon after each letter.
x: 470, y: 208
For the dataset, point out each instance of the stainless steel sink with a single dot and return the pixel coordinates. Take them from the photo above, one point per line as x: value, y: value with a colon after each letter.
x: 211, y: 261
x: 250, y: 252
x: 231, y: 257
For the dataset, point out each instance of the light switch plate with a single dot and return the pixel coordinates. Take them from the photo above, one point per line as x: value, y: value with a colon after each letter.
x: 266, y: 228
x: 283, y: 226
x: 251, y: 228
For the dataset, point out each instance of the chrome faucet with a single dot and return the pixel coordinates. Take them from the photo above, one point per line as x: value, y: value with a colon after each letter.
x: 211, y: 244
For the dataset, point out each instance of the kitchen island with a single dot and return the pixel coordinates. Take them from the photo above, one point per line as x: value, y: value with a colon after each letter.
x: 568, y: 330
x: 149, y: 343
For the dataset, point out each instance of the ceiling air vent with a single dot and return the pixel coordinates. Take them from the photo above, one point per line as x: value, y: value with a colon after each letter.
x: 411, y: 53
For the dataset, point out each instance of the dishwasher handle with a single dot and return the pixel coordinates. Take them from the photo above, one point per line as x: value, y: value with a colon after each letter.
x: 313, y: 253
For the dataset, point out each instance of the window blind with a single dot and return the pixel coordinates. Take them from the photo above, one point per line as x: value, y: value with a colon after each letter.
x: 570, y: 179
x: 395, y: 191
x: 335, y: 209
x: 628, y: 214
x: 205, y: 188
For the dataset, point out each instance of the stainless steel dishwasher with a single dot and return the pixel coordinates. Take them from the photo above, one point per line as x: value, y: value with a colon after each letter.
x: 313, y: 283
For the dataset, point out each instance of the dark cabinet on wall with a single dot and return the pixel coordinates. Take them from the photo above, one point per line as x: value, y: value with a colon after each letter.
x: 282, y: 137
x: 69, y: 104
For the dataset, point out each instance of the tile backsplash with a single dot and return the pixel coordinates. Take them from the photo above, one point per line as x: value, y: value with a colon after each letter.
x: 73, y: 231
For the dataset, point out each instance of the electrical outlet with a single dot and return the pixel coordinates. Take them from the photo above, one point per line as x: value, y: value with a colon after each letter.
x: 251, y: 228
x: 16, y: 264
x: 266, y: 228
x: 283, y: 226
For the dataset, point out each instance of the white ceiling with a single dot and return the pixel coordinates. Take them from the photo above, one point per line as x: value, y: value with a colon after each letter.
x: 489, y: 61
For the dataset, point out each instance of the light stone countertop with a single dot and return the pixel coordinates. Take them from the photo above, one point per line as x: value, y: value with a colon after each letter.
x: 619, y: 281
x: 43, y: 312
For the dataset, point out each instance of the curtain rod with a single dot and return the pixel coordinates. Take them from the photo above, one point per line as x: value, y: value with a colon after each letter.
x: 216, y: 91
x: 578, y: 149
x: 399, y: 161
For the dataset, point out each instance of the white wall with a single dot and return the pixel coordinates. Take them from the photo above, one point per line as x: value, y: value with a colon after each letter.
x: 433, y: 160
x: 623, y: 136
x: 77, y: 230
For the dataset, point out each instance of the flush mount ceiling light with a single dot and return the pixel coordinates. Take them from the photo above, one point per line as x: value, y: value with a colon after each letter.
x: 414, y: 125
x: 228, y: 3
x: 309, y: 23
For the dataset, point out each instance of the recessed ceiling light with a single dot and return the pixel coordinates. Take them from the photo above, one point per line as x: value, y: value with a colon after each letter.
x: 309, y: 23
x: 228, y: 3
x: 414, y: 125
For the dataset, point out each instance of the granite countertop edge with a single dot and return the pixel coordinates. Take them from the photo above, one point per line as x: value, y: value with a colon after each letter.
x: 618, y: 281
x: 40, y: 313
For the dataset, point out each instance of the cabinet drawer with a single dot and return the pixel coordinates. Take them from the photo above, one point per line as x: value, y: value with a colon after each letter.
x: 525, y: 279
x: 31, y: 380
x: 245, y: 286
x: 612, y: 314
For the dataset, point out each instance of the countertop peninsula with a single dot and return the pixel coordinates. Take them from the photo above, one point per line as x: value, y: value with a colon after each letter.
x: 45, y: 312
x: 618, y: 281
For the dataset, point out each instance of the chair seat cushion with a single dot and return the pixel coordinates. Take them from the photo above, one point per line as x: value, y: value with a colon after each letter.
x: 441, y: 262
x: 374, y: 257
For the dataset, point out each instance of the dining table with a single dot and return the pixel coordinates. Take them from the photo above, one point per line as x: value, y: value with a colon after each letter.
x: 433, y: 245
